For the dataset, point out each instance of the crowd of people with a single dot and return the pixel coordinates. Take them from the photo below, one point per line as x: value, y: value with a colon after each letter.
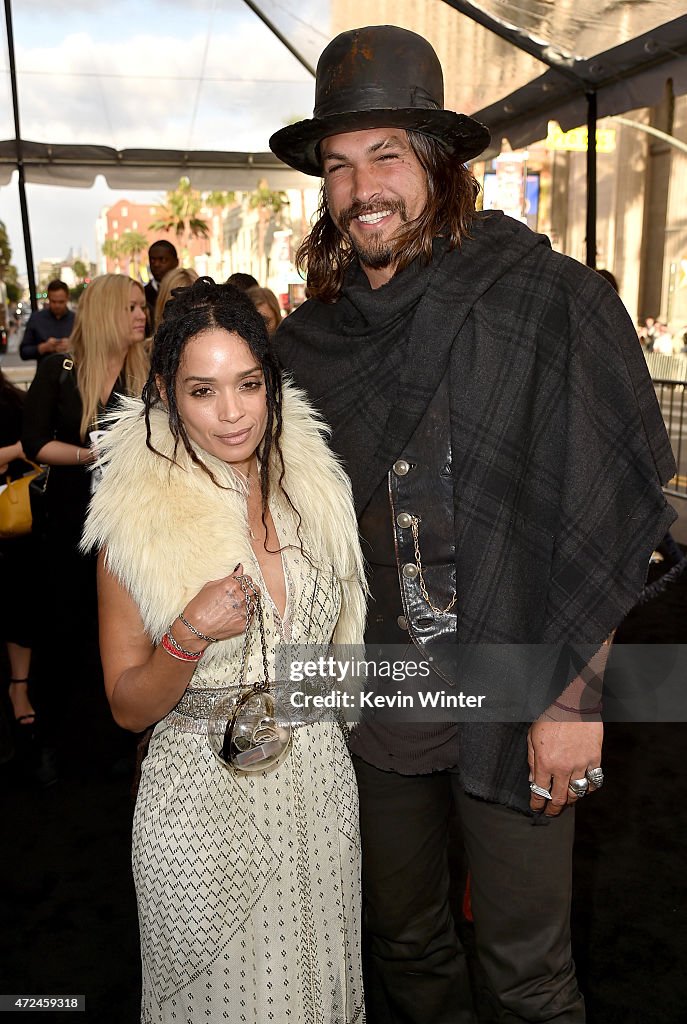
x: 506, y: 489
x: 656, y: 336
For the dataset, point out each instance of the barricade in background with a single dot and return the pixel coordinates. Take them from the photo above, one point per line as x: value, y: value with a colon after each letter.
x: 666, y: 368
x: 671, y: 398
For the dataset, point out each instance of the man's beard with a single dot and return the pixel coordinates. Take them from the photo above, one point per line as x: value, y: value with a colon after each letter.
x: 376, y: 252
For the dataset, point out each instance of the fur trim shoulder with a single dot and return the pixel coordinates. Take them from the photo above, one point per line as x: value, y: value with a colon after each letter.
x: 167, y: 528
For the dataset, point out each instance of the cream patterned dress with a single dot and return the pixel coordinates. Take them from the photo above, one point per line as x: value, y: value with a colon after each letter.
x: 249, y: 885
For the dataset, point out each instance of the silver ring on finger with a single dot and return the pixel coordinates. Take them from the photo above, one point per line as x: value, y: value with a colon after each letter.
x: 578, y: 787
x: 595, y: 776
x: 540, y: 791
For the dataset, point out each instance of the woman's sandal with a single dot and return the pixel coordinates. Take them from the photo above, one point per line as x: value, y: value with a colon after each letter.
x: 29, y: 719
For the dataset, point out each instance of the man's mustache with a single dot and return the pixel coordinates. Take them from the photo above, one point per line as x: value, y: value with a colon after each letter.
x: 356, y: 209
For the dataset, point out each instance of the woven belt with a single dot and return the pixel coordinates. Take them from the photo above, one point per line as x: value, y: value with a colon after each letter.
x: 193, y: 710
x: 195, y: 707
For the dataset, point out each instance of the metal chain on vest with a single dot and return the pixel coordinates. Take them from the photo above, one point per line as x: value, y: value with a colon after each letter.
x: 415, y: 527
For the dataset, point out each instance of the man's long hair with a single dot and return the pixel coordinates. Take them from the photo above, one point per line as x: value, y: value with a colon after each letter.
x: 325, y: 253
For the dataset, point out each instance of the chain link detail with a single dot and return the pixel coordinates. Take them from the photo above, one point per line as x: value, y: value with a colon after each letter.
x: 253, y: 609
x: 415, y: 527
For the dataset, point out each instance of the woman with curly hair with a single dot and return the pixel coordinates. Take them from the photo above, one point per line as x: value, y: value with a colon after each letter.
x: 225, y: 529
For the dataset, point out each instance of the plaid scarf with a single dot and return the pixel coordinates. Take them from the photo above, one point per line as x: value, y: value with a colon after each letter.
x: 559, y: 448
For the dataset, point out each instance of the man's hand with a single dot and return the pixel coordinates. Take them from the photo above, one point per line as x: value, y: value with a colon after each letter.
x: 53, y: 345
x: 557, y: 753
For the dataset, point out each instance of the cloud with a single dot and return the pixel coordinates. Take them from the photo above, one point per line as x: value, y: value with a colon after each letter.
x: 128, y: 77
x: 113, y: 93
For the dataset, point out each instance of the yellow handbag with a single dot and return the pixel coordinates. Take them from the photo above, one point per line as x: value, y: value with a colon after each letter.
x: 15, y: 507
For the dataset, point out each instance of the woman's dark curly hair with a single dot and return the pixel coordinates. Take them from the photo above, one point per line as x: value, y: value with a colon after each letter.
x: 206, y: 306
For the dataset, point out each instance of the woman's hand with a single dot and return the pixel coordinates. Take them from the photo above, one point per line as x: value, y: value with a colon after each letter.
x: 218, y: 611
x: 143, y: 683
x: 9, y: 453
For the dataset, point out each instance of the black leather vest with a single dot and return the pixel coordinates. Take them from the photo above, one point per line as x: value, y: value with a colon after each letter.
x: 418, y: 485
x: 419, y: 491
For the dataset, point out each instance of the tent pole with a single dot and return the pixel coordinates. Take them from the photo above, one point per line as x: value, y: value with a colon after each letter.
x: 280, y: 36
x: 27, y: 235
x: 519, y: 37
x: 591, y: 180
x: 20, y: 160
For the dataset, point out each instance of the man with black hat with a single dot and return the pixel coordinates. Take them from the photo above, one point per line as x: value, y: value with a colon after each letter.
x: 492, y: 407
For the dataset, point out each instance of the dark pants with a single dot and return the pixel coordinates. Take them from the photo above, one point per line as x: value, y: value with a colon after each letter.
x: 520, y: 871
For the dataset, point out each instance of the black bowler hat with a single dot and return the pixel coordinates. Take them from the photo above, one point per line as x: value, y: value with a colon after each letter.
x: 378, y: 77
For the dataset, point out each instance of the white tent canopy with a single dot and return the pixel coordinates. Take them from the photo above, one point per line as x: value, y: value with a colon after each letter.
x: 145, y: 92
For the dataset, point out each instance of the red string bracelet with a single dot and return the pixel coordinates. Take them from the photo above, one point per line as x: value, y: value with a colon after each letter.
x: 176, y: 652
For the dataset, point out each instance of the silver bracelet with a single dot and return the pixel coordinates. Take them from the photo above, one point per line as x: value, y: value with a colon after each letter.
x: 177, y: 646
x: 78, y: 455
x: 197, y: 632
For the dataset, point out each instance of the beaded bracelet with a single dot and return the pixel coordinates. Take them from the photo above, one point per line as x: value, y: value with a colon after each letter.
x: 170, y: 645
x: 197, y: 632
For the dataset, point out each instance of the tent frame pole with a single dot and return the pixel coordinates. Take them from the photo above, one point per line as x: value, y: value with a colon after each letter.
x: 548, y: 55
x: 280, y: 36
x: 591, y: 179
x: 28, y: 249
x: 543, y: 52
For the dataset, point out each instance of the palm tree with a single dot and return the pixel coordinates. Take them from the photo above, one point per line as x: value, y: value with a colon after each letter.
x: 113, y: 251
x: 132, y: 244
x: 269, y: 204
x: 179, y: 214
x: 219, y: 199
x: 80, y: 270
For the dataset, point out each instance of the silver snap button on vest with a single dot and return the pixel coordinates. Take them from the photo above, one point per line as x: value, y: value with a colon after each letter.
x: 409, y: 570
x: 404, y: 520
x: 401, y: 467
x: 402, y: 622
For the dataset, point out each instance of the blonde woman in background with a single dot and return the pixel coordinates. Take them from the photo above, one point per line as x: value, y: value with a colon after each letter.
x: 68, y: 399
x: 179, y: 277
